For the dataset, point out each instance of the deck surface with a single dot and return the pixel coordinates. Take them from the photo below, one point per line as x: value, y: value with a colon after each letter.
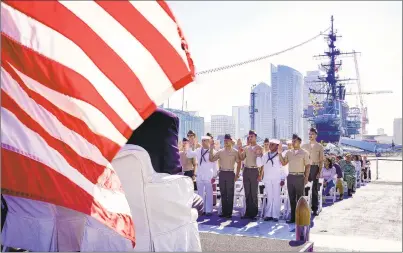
x: 370, y: 221
x: 212, y: 242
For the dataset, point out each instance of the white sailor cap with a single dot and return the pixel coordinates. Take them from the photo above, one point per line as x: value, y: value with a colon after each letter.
x: 289, y: 141
x: 275, y: 141
x: 205, y: 138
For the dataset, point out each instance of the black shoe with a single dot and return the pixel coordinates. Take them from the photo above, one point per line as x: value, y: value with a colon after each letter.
x: 204, y: 213
x: 268, y: 218
x: 208, y: 214
x: 253, y: 219
x: 228, y: 216
x: 290, y: 221
x: 315, y: 213
x: 222, y: 215
x: 275, y: 220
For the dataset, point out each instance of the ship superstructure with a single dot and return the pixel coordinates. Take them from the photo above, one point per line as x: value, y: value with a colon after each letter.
x: 332, y: 116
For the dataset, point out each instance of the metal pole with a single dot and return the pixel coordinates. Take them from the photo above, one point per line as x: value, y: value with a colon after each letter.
x: 183, y: 96
x: 377, y: 168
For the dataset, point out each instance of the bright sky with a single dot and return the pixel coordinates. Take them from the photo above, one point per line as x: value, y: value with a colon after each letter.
x: 222, y: 33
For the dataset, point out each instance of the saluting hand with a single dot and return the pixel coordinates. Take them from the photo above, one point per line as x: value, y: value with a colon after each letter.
x: 259, y: 151
x: 239, y: 143
x: 280, y: 148
x: 212, y: 144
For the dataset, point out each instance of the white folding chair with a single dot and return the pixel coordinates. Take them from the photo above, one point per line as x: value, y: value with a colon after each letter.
x: 285, y: 212
x: 262, y: 201
x: 309, y: 197
x: 358, y: 178
x: 320, y: 194
x: 332, y: 193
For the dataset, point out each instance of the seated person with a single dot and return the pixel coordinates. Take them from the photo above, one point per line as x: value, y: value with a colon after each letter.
x: 339, y: 172
x: 158, y: 135
x: 349, y: 173
x: 328, y: 174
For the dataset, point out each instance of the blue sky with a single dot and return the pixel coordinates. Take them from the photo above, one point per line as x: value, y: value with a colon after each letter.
x: 222, y: 33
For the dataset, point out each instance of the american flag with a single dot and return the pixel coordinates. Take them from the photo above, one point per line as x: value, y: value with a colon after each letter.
x: 77, y: 77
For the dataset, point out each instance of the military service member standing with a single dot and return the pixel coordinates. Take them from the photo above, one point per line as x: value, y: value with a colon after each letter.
x: 273, y: 173
x: 298, y: 167
x: 188, y: 164
x: 251, y: 175
x: 227, y: 157
x: 316, y: 157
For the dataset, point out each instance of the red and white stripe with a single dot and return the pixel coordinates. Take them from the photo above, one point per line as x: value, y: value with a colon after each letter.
x: 77, y: 78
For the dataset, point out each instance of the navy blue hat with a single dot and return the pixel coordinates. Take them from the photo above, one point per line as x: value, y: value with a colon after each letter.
x: 227, y: 137
x: 252, y: 132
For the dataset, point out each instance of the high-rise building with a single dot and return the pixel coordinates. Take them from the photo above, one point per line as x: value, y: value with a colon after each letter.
x: 242, y: 120
x: 207, y: 127
x: 188, y: 121
x: 287, y: 101
x: 306, y: 100
x: 222, y: 124
x: 263, y: 110
x: 397, y: 131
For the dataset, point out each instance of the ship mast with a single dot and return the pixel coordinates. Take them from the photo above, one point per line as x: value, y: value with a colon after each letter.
x: 332, y: 86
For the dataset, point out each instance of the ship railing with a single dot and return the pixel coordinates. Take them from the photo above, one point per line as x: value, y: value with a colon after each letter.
x: 385, y: 161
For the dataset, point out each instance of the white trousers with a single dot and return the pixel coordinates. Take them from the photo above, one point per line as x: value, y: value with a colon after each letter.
x: 272, y: 189
x: 205, y: 186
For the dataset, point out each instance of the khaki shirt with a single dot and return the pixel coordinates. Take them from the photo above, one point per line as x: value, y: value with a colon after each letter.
x: 186, y: 163
x: 297, y: 160
x: 316, y: 153
x: 249, y: 154
x: 228, y: 158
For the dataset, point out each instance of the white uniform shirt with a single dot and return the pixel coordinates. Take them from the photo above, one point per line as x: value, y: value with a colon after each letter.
x: 206, y: 170
x: 272, y: 168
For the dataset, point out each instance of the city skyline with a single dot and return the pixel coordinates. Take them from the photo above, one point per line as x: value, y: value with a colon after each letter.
x: 223, y: 38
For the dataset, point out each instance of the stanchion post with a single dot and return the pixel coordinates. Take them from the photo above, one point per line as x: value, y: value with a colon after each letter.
x: 377, y: 168
x: 302, y: 220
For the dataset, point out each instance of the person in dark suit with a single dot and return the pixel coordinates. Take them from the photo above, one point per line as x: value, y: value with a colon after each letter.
x: 158, y: 135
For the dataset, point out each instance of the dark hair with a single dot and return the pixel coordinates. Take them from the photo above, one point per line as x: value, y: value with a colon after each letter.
x: 313, y: 130
x: 330, y: 161
x: 266, y: 140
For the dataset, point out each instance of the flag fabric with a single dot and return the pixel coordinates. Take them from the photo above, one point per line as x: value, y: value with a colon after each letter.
x: 77, y: 77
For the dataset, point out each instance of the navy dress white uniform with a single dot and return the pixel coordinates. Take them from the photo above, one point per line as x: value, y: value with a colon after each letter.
x: 274, y: 173
x: 206, y: 171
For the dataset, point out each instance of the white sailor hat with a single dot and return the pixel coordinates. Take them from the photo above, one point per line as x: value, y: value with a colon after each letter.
x: 275, y: 141
x: 289, y: 141
x: 205, y: 138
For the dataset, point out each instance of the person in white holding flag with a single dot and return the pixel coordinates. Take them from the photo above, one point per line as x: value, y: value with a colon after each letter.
x: 77, y: 78
x: 206, y: 172
x: 273, y: 174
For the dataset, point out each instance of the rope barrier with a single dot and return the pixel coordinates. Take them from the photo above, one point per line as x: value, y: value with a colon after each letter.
x: 217, y: 69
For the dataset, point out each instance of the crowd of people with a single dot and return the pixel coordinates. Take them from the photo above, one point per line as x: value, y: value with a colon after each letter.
x: 292, y: 168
